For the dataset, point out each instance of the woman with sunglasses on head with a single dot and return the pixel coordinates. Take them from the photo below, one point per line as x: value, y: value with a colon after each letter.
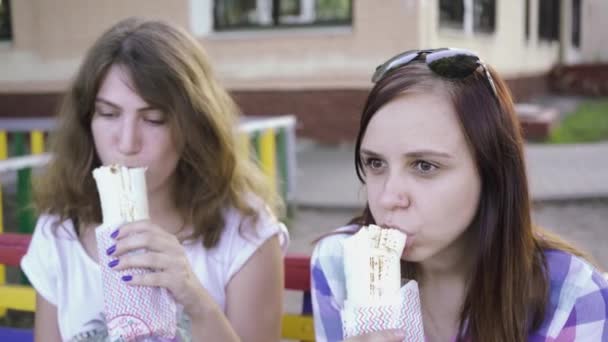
x: 146, y: 96
x: 440, y: 154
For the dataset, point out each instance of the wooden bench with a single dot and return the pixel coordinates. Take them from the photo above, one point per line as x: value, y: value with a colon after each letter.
x: 20, y: 297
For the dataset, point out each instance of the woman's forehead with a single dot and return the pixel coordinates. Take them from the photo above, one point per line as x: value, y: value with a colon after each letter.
x: 416, y: 119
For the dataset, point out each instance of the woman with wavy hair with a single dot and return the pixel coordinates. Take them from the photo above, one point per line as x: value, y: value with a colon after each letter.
x: 440, y: 154
x: 145, y: 95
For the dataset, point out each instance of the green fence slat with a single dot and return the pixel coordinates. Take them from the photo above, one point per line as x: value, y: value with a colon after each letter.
x: 282, y: 161
x: 25, y: 215
x: 255, y: 142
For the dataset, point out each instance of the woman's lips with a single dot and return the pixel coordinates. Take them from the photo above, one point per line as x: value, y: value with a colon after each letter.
x: 408, y: 245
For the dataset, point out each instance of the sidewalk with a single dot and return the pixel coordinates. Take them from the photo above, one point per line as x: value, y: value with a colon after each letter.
x: 326, y: 174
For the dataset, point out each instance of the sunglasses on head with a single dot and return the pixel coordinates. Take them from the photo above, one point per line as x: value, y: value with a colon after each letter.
x: 445, y: 62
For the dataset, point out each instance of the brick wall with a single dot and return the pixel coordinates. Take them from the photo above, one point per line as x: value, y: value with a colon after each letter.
x: 28, y: 104
x: 329, y: 116
x: 582, y: 79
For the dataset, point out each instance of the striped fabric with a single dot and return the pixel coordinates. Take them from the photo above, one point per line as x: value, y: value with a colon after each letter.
x: 577, y: 309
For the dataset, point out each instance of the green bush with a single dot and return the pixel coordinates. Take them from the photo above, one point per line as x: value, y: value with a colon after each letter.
x: 588, y: 124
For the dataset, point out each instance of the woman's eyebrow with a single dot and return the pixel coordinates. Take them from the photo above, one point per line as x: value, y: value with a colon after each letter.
x: 369, y: 153
x: 115, y: 106
x: 413, y: 154
x: 106, y: 102
x: 426, y: 153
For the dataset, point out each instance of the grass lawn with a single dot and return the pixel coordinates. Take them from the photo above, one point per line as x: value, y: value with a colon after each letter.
x: 588, y: 124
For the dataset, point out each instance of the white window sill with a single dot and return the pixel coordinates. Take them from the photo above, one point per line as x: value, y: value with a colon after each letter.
x: 6, y: 45
x: 280, y: 32
x: 461, y: 34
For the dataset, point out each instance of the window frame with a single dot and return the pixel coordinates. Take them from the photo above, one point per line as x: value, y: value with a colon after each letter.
x: 577, y: 7
x: 278, y: 20
x: 6, y: 20
x: 527, y: 17
x: 549, y: 18
x: 469, y: 18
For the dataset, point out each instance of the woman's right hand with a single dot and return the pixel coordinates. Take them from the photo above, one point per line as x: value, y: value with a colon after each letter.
x: 379, y: 336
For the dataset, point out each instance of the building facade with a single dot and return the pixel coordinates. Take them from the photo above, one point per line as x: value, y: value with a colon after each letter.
x: 311, y: 58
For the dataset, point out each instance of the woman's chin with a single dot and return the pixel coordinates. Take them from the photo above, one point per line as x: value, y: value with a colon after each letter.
x: 414, y: 254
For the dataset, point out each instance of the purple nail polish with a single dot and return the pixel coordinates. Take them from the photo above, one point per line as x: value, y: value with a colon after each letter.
x: 113, y: 263
x: 111, y: 250
x: 114, y: 234
x: 127, y: 278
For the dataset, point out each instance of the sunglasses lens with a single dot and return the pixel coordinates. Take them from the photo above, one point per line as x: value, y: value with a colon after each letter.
x: 393, y: 63
x: 452, y: 64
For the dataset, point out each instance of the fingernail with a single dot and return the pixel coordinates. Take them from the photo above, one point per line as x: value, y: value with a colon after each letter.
x: 127, y: 278
x: 111, y: 250
x: 114, y: 234
x: 113, y: 263
x: 400, y: 334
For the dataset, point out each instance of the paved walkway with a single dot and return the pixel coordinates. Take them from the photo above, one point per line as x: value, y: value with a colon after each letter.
x: 326, y: 176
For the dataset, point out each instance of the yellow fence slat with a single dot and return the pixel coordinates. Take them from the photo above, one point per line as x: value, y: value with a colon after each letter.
x: 37, y: 142
x: 18, y: 297
x: 268, y: 157
x: 3, y: 146
x: 298, y: 327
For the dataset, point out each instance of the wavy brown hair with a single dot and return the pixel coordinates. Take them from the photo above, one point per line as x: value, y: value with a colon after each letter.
x: 170, y: 71
x: 508, y: 287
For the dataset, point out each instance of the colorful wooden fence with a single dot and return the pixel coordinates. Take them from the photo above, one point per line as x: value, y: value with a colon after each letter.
x: 21, y: 297
x: 270, y: 140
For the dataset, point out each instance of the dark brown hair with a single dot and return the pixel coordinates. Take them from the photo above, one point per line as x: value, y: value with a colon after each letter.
x: 508, y: 286
x: 171, y: 72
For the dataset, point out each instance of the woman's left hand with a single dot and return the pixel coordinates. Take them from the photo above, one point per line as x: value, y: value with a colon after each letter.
x: 165, y: 255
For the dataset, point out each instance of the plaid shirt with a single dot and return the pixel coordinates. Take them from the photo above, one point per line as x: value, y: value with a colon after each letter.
x: 577, y: 308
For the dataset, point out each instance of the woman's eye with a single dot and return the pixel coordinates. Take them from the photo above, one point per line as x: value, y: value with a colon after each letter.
x: 424, y: 166
x: 374, y: 163
x: 155, y: 121
x: 155, y: 118
x: 106, y: 114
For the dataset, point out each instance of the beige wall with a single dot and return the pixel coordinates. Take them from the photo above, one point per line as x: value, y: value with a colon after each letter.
x: 50, y: 37
x: 49, y: 43
x: 506, y: 49
x: 316, y: 57
x: 594, y: 35
x: 64, y: 28
x: 594, y: 28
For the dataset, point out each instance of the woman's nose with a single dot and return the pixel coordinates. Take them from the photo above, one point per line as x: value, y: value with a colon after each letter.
x: 129, y: 140
x: 395, y: 194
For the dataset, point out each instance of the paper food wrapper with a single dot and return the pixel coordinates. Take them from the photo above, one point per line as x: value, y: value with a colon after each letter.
x: 403, y: 314
x: 375, y: 299
x: 132, y: 313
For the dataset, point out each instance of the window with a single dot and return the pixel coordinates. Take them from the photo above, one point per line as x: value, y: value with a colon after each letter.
x: 548, y: 20
x: 527, y: 19
x: 451, y: 13
x: 483, y: 15
x: 468, y: 15
x: 6, y: 31
x: 245, y: 14
x: 576, y: 23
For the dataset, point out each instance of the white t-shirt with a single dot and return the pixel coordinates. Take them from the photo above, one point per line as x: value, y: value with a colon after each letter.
x: 65, y: 275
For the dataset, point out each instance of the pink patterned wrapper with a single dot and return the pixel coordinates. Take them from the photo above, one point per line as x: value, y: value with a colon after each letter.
x: 404, y: 315
x: 133, y: 313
